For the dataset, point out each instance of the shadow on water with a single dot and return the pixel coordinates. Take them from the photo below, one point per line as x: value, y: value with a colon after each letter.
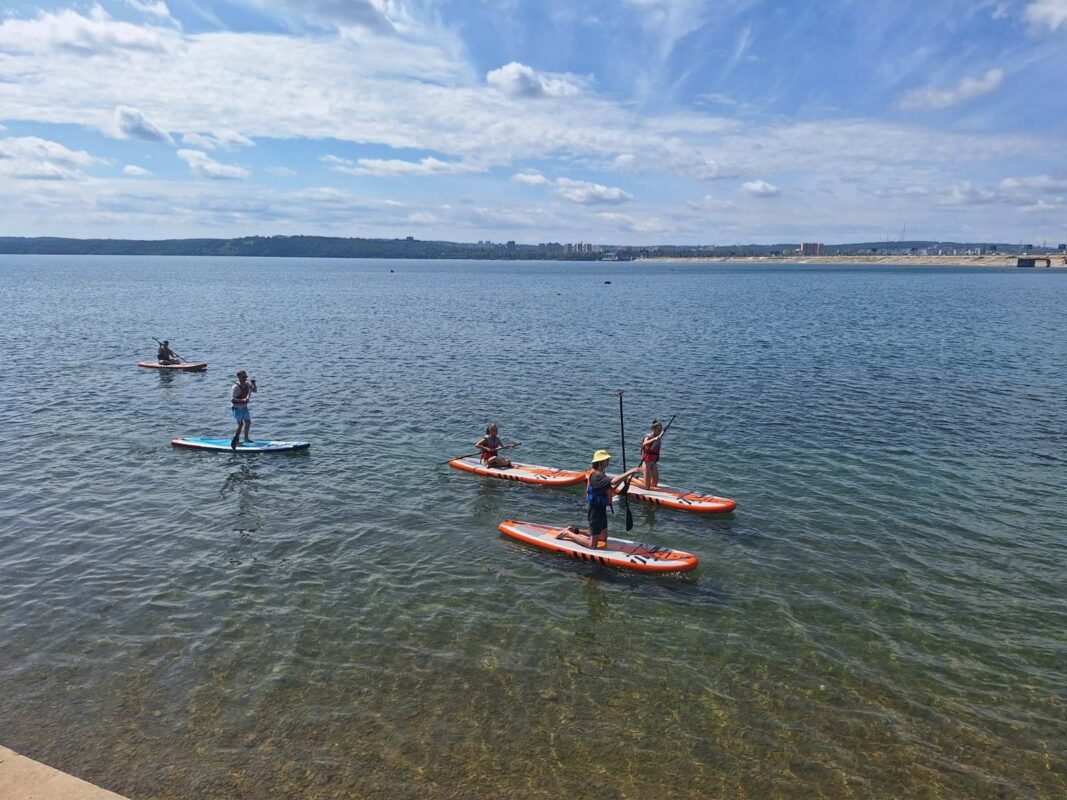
x: 690, y: 588
x: 242, y: 482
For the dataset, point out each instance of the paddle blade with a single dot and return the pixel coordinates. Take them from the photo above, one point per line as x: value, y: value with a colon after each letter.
x: 626, y: 504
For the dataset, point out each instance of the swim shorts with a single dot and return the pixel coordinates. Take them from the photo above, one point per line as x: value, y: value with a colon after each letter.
x: 241, y: 414
x: 598, y: 520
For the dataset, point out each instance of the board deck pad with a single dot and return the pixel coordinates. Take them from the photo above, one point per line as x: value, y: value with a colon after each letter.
x: 682, y: 500
x: 195, y: 366
x: 620, y: 553
x: 525, y: 473
x: 255, y: 446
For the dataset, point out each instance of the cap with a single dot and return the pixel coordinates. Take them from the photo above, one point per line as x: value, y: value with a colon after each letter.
x: 601, y: 455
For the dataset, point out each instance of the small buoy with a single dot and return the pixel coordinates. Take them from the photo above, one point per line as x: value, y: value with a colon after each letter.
x: 607, y: 281
x: 392, y: 270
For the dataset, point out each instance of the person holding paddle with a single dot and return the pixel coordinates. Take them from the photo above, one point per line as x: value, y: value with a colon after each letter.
x: 239, y: 397
x: 491, y: 445
x: 650, y: 446
x: 598, y: 490
x: 165, y: 355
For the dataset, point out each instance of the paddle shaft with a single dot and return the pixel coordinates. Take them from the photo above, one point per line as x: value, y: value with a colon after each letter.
x: 626, y: 486
x: 511, y: 446
x: 669, y: 423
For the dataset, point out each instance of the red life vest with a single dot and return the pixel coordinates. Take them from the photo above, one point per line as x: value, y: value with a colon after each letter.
x: 490, y: 448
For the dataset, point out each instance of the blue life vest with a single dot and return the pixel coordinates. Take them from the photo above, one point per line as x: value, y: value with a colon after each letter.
x: 597, y: 498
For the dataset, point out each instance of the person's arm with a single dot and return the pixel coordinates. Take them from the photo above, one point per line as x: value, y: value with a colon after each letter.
x: 618, y: 480
x: 480, y: 444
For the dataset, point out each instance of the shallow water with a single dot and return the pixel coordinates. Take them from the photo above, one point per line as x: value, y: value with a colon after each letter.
x: 883, y: 616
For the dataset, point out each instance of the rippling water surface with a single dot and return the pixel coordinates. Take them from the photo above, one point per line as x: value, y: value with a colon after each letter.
x: 882, y: 617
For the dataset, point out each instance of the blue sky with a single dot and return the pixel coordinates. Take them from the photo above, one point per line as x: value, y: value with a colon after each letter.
x: 613, y: 121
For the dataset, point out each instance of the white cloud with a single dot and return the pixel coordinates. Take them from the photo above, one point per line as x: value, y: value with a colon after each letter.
x: 712, y: 203
x: 72, y: 32
x: 634, y: 224
x: 530, y: 178
x: 760, y: 189
x: 223, y: 138
x: 200, y: 163
x: 588, y: 193
x: 396, y: 168
x: 1048, y: 13
x: 1035, y: 183
x: 33, y: 158
x: 380, y: 16
x: 155, y: 8
x: 282, y: 172
x: 519, y: 80
x: 963, y: 193
x: 130, y: 123
x: 928, y: 98
x: 135, y: 171
x: 415, y: 95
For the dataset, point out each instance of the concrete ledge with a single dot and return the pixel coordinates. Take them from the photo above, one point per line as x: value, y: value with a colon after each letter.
x: 22, y: 778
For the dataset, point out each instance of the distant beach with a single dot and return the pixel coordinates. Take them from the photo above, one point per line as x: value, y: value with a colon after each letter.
x: 1059, y: 261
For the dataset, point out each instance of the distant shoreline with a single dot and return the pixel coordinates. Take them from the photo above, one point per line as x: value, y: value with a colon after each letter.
x: 997, y: 255
x: 1058, y: 261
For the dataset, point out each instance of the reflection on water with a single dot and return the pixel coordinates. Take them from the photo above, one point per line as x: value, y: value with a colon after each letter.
x: 881, y: 618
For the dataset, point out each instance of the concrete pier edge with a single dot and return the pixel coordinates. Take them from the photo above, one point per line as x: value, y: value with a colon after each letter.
x: 23, y: 778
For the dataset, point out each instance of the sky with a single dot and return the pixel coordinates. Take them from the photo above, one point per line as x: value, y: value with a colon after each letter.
x: 606, y: 121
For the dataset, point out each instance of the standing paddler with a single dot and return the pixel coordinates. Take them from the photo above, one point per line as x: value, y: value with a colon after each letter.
x: 239, y: 397
x: 598, y: 491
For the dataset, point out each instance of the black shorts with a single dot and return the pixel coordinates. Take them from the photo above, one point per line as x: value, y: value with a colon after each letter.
x: 598, y: 520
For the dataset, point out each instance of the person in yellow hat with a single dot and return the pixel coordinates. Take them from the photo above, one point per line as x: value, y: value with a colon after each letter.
x: 598, y: 490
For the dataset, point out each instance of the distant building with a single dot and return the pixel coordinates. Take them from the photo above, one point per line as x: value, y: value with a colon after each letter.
x: 1063, y: 248
x: 812, y: 249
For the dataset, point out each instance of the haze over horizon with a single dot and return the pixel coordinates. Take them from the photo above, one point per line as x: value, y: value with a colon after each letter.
x: 685, y: 121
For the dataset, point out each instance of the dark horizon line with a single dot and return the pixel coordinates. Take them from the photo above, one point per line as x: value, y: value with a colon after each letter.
x: 482, y: 243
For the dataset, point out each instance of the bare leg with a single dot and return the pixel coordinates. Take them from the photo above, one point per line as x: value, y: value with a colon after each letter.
x: 584, y: 539
x: 652, y: 476
x: 248, y: 427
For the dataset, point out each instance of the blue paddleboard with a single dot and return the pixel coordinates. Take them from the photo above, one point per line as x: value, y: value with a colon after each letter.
x: 256, y: 446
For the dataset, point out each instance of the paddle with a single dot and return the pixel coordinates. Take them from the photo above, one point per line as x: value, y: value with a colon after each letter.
x: 626, y: 485
x: 154, y: 339
x: 511, y: 446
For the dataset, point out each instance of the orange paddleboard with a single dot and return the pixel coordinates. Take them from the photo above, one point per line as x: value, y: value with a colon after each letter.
x: 620, y: 553
x: 682, y: 500
x: 525, y: 473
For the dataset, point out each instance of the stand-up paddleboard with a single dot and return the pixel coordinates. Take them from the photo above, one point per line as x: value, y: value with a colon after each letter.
x: 526, y: 473
x: 621, y: 553
x: 193, y: 367
x: 256, y: 446
x: 681, y: 500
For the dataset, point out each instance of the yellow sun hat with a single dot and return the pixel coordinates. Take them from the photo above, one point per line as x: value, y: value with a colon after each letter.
x: 601, y: 455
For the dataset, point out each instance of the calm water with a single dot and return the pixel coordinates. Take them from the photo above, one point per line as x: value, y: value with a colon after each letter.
x: 883, y: 616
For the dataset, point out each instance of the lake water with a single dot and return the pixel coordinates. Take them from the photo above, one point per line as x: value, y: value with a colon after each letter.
x: 882, y: 617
